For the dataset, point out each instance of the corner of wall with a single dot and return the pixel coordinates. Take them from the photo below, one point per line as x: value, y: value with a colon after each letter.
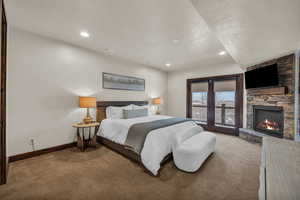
x: 296, y: 106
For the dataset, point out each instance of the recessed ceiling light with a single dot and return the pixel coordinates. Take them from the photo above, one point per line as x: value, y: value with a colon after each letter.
x: 84, y: 34
x: 175, y: 41
x: 222, y: 53
x: 168, y: 64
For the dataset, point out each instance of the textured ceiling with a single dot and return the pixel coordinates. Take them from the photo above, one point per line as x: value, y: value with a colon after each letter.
x: 142, y: 31
x: 253, y: 31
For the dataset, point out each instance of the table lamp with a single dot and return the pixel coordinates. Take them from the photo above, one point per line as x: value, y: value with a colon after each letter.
x: 157, y: 102
x: 87, y: 102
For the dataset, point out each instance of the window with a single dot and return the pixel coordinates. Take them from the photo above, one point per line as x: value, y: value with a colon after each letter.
x: 225, y: 108
x: 225, y: 102
x: 199, y: 107
x: 199, y: 101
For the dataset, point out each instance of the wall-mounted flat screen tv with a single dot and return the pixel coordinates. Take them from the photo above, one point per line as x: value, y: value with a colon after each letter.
x: 262, y: 77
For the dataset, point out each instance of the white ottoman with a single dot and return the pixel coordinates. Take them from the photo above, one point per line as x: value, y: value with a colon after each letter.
x: 191, y: 153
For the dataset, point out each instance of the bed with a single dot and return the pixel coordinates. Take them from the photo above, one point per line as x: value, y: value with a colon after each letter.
x: 157, y: 146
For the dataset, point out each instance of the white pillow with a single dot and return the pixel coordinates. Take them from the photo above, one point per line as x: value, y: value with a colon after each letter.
x: 115, y: 112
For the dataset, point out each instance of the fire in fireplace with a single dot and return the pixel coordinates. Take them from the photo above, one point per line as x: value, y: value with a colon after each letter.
x: 269, y: 125
x: 269, y: 120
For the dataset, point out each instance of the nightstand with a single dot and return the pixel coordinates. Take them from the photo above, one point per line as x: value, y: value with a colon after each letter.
x: 82, y: 142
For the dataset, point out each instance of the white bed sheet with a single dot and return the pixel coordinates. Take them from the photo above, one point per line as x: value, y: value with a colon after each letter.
x: 158, y: 142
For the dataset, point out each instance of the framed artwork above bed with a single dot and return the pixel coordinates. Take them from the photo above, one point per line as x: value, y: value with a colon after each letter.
x: 120, y: 82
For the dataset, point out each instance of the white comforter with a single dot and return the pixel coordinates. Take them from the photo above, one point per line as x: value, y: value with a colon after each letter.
x: 158, y: 142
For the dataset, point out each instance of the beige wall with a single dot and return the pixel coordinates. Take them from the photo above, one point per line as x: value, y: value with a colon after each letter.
x: 177, y: 84
x: 45, y: 78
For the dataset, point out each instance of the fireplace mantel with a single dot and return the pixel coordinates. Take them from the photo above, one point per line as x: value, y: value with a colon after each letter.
x: 268, y: 91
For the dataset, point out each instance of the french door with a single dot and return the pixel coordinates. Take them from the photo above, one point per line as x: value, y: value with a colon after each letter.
x: 216, y: 103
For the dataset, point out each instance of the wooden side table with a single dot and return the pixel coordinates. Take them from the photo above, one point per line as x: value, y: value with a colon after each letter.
x: 83, y: 143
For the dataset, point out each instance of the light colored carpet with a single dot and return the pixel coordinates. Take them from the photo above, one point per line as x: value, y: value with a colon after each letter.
x: 232, y: 173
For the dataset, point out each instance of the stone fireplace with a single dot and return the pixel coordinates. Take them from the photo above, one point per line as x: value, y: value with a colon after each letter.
x: 268, y: 120
x: 270, y: 111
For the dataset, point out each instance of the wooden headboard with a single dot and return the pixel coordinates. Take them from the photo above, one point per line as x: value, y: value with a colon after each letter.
x: 102, y: 105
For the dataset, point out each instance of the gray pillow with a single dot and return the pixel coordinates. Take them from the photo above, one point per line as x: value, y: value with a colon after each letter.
x: 128, y: 114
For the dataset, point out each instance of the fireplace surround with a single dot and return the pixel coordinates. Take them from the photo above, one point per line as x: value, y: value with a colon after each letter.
x: 285, y: 100
x: 268, y: 120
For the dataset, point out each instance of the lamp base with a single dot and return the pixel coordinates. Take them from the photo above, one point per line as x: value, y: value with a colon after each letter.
x: 157, y: 110
x: 88, y: 120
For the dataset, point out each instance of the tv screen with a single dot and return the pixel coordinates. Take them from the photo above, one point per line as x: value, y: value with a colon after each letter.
x: 262, y: 77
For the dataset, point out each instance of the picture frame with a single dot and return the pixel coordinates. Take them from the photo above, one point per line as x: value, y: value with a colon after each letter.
x: 121, y: 82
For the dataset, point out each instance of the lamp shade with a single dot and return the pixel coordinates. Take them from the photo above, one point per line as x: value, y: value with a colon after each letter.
x: 156, y: 101
x: 87, y: 102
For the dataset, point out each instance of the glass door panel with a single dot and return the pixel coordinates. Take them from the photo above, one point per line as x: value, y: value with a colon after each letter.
x: 216, y: 102
x: 199, y: 101
x: 225, y: 103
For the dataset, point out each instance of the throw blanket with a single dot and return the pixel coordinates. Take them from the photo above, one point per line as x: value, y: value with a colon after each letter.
x: 138, y: 132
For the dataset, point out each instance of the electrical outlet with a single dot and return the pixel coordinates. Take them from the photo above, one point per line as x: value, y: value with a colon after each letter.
x: 32, y: 144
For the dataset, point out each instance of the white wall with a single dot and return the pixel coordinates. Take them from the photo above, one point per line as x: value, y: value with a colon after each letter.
x: 45, y: 78
x: 177, y: 84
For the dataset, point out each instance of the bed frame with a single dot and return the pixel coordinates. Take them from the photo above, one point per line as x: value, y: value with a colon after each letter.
x: 122, y: 149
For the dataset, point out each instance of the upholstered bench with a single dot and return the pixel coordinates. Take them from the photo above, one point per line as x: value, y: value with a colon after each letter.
x: 191, y: 150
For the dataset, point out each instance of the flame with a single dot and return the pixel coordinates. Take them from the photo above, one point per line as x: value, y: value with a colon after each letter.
x: 270, y: 125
